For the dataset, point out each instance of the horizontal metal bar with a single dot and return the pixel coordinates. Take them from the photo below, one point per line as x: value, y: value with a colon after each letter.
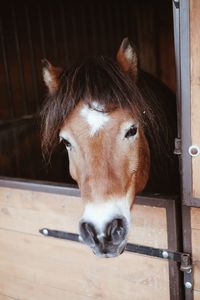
x: 140, y: 249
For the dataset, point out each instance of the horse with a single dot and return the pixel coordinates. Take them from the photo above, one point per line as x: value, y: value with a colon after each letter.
x: 118, y: 125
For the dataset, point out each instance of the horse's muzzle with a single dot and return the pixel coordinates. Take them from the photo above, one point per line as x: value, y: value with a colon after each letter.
x: 110, y: 242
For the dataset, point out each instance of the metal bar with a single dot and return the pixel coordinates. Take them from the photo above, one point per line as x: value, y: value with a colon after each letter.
x: 11, y: 107
x: 19, y: 61
x: 72, y: 190
x: 173, y: 212
x: 185, y: 102
x: 176, y: 21
x: 182, y: 55
x: 40, y: 186
x: 135, y: 248
x: 187, y: 246
x: 33, y: 68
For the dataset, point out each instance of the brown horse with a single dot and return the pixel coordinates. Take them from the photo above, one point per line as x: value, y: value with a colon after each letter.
x: 114, y: 120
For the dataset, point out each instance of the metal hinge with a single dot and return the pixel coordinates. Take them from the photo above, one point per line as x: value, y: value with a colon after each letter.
x: 177, y: 146
x: 186, y: 268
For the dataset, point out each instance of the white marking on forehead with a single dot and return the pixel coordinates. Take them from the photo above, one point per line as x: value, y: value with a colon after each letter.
x: 95, y: 119
x: 100, y: 213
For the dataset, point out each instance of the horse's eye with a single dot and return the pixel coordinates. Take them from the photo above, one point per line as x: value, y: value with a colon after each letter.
x: 131, y: 132
x: 67, y: 143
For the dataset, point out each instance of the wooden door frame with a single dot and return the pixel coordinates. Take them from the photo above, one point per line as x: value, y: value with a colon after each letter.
x: 181, y: 12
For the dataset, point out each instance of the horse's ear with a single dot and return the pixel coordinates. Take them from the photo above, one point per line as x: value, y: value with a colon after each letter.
x: 51, y: 75
x: 127, y: 58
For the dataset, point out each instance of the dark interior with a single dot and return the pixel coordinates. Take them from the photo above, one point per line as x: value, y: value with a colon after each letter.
x: 64, y: 32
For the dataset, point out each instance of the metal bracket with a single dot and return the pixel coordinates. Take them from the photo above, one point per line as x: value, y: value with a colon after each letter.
x: 186, y: 268
x: 177, y: 146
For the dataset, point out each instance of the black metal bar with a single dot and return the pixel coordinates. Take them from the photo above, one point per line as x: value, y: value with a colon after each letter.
x: 140, y: 249
x: 60, y: 234
x: 187, y: 246
x: 33, y: 68
x: 11, y: 107
x: 19, y: 61
x: 173, y: 212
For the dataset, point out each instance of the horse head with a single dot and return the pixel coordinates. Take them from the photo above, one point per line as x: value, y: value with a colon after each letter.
x: 97, y: 111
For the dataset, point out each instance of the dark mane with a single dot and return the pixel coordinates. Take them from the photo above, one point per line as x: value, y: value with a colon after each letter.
x: 101, y: 80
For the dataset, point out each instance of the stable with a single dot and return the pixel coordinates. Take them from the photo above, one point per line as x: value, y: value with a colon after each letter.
x: 40, y: 253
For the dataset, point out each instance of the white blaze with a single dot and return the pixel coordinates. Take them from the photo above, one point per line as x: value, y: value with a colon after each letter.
x: 96, y: 119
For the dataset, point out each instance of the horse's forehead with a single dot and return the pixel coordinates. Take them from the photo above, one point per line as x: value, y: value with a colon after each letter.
x: 95, y: 118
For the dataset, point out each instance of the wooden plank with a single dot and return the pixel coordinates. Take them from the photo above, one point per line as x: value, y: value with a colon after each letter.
x: 196, y: 257
x: 196, y: 295
x: 33, y: 267
x: 28, y: 211
x: 195, y: 218
x: 195, y: 89
x: 195, y: 228
x: 5, y: 297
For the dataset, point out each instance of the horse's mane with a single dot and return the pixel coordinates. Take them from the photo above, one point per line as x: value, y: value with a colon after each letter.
x: 102, y: 80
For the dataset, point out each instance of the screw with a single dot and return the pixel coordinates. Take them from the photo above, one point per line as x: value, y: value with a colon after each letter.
x: 194, y: 150
x: 45, y: 231
x: 165, y: 254
x: 188, y: 285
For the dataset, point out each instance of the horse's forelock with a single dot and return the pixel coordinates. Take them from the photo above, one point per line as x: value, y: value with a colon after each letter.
x: 97, y: 79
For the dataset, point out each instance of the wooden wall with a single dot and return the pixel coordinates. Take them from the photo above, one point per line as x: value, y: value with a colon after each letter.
x: 35, y: 267
x: 195, y: 227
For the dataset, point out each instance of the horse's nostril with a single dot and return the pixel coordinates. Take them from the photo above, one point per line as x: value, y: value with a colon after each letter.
x: 88, y: 233
x: 116, y: 230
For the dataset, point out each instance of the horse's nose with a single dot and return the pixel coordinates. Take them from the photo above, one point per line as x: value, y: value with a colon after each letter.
x: 109, y: 241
